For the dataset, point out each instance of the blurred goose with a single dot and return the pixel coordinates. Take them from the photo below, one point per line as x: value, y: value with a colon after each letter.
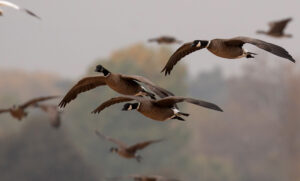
x: 277, y: 29
x: 136, y: 177
x: 14, y: 6
x: 53, y: 113
x: 123, y: 84
x: 18, y: 111
x: 127, y: 151
x: 165, y: 39
x: 159, y: 110
x: 225, y: 48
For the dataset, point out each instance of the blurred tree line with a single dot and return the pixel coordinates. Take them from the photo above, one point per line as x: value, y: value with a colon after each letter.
x: 256, y: 138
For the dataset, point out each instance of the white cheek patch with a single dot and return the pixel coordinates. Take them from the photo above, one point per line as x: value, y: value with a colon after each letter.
x: 199, y: 44
x: 130, y: 107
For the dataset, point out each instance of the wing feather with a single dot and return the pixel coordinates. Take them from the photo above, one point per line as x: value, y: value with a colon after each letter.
x: 83, y: 85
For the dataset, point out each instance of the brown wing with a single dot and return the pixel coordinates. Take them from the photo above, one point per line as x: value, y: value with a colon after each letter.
x: 4, y: 110
x: 116, y: 100
x: 142, y: 145
x: 161, y: 92
x: 170, y: 101
x: 181, y: 52
x: 274, y: 49
x: 36, y: 100
x: 83, y: 85
x: 117, y: 142
x: 278, y: 26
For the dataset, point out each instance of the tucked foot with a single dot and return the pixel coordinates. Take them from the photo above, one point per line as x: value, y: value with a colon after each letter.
x: 250, y: 55
x: 178, y: 118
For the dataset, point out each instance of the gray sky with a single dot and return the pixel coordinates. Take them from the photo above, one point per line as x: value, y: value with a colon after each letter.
x: 73, y: 33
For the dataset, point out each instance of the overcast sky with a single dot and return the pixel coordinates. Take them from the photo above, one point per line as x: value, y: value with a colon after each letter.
x: 73, y: 33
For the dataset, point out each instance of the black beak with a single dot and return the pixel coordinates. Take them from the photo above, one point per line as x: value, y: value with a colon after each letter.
x: 124, y: 109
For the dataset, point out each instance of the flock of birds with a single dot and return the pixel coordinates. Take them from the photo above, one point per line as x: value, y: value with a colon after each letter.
x: 150, y: 100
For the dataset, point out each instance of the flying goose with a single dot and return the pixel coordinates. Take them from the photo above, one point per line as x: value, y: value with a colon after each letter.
x: 277, y: 29
x: 123, y: 84
x: 159, y: 110
x: 127, y: 151
x: 165, y: 39
x: 53, y: 113
x: 226, y: 48
x: 14, y: 6
x: 18, y: 111
x: 137, y: 177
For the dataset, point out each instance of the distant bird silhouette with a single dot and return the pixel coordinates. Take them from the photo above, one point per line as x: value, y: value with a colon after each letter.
x: 14, y: 6
x: 164, y: 39
x: 18, y: 111
x: 53, y: 113
x: 277, y: 29
x: 136, y: 177
x: 159, y: 110
x: 127, y: 151
x: 123, y: 84
x: 225, y: 48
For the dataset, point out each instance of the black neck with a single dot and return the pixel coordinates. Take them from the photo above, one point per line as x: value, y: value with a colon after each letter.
x: 105, y: 71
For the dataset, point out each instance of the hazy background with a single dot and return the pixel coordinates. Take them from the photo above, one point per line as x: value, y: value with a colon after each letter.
x: 256, y: 138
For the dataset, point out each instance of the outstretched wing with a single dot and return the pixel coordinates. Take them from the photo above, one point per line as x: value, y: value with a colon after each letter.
x: 279, y: 26
x: 36, y: 100
x: 142, y: 145
x: 116, y: 100
x: 181, y: 52
x: 117, y: 142
x: 161, y: 92
x: 170, y: 101
x: 272, y: 48
x: 83, y: 85
x: 4, y: 110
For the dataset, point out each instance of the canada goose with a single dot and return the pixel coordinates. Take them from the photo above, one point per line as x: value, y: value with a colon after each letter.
x: 127, y: 151
x: 159, y: 110
x: 277, y: 29
x: 14, y: 6
x: 165, y: 39
x: 137, y: 177
x: 226, y: 48
x: 123, y: 84
x: 53, y: 112
x: 18, y: 111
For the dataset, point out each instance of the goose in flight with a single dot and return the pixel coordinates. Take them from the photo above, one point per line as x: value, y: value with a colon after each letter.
x: 165, y: 40
x: 123, y: 84
x: 16, y: 7
x: 225, y: 48
x: 137, y: 177
x: 159, y: 110
x: 127, y: 151
x: 277, y: 29
x: 18, y: 111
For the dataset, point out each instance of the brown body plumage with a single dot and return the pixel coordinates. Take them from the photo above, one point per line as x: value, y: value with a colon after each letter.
x: 19, y: 112
x: 127, y: 151
x: 225, y: 48
x: 159, y: 110
x: 123, y: 84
